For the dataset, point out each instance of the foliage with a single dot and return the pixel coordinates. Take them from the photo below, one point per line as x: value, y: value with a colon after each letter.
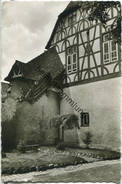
x: 45, y: 159
x: 111, y: 155
x: 68, y: 121
x: 8, y: 109
x: 20, y: 147
x: 60, y: 146
x: 116, y: 31
x: 87, y: 139
x: 48, y: 157
x: 3, y: 154
x: 8, y: 120
x: 98, y: 11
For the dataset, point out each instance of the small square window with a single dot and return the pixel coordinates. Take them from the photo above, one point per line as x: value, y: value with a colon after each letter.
x: 84, y: 119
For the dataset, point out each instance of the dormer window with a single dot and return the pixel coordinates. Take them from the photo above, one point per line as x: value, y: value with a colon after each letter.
x: 71, y: 59
x: 72, y: 19
x: 17, y: 72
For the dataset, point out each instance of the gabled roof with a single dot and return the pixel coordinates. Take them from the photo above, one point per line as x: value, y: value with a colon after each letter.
x: 72, y: 6
x: 17, y: 65
x: 47, y: 62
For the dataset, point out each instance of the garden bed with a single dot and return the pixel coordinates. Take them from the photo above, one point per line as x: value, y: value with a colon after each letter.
x: 50, y: 157
x: 95, y: 153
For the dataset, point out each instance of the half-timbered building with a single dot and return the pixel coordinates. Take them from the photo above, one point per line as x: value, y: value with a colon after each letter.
x: 91, y: 60
x: 93, y: 69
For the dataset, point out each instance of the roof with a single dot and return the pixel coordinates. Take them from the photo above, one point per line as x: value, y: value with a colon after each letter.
x: 72, y: 6
x: 47, y: 62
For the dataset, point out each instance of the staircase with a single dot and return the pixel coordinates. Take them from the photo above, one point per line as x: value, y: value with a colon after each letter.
x: 37, y: 90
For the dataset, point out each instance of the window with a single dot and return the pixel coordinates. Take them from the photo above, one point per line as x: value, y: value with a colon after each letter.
x: 106, y: 52
x: 84, y: 119
x: 110, y: 49
x: 72, y: 59
x: 71, y: 19
x: 114, y: 56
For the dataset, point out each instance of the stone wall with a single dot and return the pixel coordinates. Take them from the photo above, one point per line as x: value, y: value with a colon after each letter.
x: 32, y: 120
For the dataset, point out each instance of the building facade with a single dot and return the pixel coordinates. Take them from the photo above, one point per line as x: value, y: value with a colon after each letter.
x: 31, y: 101
x: 88, y: 61
x: 93, y: 68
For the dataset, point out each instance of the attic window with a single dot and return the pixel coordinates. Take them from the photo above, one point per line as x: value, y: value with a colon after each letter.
x: 84, y: 119
x: 72, y: 19
x: 17, y: 74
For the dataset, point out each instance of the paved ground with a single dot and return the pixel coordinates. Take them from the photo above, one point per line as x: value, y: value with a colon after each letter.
x: 103, y: 171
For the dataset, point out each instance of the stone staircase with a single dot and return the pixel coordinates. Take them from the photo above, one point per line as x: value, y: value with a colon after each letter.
x: 36, y: 91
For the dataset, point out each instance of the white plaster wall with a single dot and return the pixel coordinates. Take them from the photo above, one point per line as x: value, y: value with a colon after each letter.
x: 102, y: 100
x: 33, y: 119
x: 48, y: 105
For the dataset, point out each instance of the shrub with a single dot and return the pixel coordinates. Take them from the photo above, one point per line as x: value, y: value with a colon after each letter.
x: 87, y: 139
x: 60, y: 146
x: 3, y: 154
x: 20, y: 147
x: 79, y: 160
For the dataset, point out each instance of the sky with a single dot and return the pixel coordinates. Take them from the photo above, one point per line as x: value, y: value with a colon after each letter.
x: 26, y: 29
